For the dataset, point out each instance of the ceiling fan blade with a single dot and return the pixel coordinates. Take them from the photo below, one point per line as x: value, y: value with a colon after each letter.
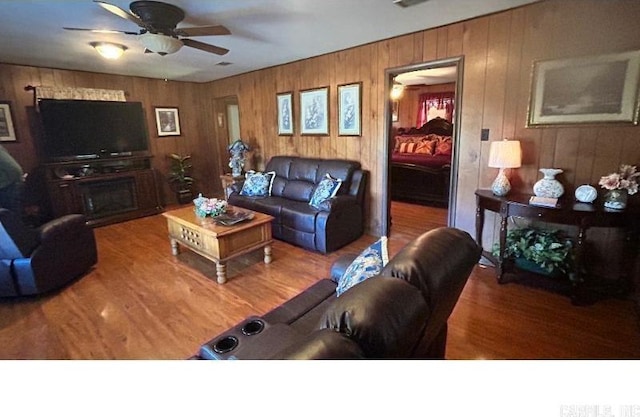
x: 121, y: 13
x: 102, y: 31
x: 203, y: 31
x: 205, y: 46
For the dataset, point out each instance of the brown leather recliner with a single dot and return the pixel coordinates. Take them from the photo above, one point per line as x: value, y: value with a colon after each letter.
x: 35, y: 261
x: 400, y: 313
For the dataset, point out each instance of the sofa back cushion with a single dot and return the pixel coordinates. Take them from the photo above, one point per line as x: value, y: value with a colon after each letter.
x: 296, y: 178
x: 384, y: 316
x: 437, y: 263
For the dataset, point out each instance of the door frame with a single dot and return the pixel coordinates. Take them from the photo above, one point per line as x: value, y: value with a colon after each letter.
x: 390, y: 74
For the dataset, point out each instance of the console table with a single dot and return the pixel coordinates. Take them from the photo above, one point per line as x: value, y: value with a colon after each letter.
x: 567, y: 212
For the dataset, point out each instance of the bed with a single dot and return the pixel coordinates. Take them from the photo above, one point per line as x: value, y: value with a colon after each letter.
x: 421, y: 163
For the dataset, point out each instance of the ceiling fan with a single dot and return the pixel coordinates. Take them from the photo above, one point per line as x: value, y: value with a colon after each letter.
x: 158, y: 27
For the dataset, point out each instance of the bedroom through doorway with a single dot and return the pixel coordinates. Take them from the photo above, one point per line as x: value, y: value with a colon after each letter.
x: 421, y: 137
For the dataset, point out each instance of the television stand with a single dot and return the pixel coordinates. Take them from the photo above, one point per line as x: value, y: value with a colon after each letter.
x: 106, y: 191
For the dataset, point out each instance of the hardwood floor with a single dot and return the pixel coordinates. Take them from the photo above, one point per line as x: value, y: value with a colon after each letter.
x: 140, y: 302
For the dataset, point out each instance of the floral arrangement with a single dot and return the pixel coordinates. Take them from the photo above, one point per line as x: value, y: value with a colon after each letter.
x: 209, y: 206
x: 626, y: 179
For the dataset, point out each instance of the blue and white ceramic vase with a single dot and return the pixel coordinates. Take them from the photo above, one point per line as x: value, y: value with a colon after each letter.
x: 549, y: 186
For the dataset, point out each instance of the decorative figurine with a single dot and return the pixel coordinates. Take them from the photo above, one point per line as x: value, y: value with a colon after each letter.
x: 237, y: 150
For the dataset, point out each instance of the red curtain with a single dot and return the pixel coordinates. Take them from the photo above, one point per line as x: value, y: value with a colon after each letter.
x: 439, y: 101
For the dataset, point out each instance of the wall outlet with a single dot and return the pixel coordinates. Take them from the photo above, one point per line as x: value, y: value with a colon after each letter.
x: 484, y: 135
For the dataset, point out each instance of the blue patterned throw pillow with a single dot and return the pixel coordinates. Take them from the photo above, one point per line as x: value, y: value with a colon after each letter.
x: 257, y: 184
x: 325, y: 189
x: 369, y: 263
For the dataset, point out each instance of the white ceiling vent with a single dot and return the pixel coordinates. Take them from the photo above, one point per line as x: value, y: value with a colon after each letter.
x: 408, y: 3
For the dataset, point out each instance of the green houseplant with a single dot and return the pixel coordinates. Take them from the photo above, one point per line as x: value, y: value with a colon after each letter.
x: 548, y: 252
x: 180, y: 177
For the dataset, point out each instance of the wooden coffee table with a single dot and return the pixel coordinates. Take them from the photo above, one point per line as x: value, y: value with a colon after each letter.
x: 216, y: 242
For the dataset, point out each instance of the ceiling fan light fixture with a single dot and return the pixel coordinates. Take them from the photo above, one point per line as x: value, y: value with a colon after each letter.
x: 161, y: 44
x: 109, y: 50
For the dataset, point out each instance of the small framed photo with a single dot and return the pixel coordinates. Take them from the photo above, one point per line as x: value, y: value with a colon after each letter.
x: 349, y: 109
x: 167, y: 121
x: 284, y: 102
x: 7, y: 131
x: 594, y: 89
x: 314, y: 111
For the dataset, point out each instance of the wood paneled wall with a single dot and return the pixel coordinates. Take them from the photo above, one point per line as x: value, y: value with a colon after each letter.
x: 498, y: 51
x: 188, y: 97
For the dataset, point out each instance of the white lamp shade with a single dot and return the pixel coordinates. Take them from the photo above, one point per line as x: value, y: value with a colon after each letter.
x: 505, y: 154
x: 160, y: 44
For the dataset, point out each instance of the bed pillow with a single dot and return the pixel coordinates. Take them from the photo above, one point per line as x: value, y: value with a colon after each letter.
x: 326, y: 189
x: 399, y: 140
x: 426, y: 147
x: 258, y: 184
x: 369, y: 263
x: 444, y: 146
x: 408, y: 147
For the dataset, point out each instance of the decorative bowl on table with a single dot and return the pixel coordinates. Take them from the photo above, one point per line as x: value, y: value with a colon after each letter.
x: 233, y: 216
x: 209, y: 207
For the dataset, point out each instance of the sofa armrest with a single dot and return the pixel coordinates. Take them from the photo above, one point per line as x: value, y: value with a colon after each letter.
x: 322, y: 344
x: 340, y: 265
x: 67, y: 242
x: 236, y: 187
x: 61, y: 226
x: 337, y: 203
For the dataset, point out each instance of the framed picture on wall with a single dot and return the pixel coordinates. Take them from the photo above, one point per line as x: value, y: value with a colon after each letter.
x: 314, y: 111
x: 349, y: 109
x: 7, y: 131
x: 167, y: 121
x: 595, y: 89
x: 284, y: 103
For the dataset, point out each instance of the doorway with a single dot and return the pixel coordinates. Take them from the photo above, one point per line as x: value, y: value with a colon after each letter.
x: 227, y: 128
x: 393, y: 79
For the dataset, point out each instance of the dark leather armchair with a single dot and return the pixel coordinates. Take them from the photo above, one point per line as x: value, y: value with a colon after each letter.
x: 34, y: 261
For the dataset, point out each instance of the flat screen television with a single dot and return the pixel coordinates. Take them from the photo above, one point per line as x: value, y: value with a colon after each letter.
x: 85, y: 129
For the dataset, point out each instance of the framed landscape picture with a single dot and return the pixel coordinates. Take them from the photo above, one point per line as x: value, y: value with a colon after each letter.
x: 7, y: 131
x: 314, y: 111
x: 596, y: 89
x: 167, y: 121
x: 349, y: 109
x: 284, y: 102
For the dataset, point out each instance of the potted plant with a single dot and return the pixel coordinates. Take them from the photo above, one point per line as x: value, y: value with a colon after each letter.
x: 180, y: 177
x: 546, y: 252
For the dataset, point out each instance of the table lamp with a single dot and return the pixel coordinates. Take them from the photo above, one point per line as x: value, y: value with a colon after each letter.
x: 504, y: 154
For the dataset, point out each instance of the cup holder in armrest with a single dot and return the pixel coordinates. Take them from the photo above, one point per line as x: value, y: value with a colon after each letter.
x: 252, y: 327
x: 226, y: 344
x: 231, y: 344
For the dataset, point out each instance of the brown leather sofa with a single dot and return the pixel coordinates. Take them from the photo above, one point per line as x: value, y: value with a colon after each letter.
x: 35, y: 261
x: 400, y: 313
x: 339, y: 221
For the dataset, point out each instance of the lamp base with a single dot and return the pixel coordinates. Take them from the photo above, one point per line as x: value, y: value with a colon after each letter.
x: 501, y: 185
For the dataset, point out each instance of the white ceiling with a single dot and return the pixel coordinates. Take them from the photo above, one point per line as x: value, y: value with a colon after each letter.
x: 264, y: 33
